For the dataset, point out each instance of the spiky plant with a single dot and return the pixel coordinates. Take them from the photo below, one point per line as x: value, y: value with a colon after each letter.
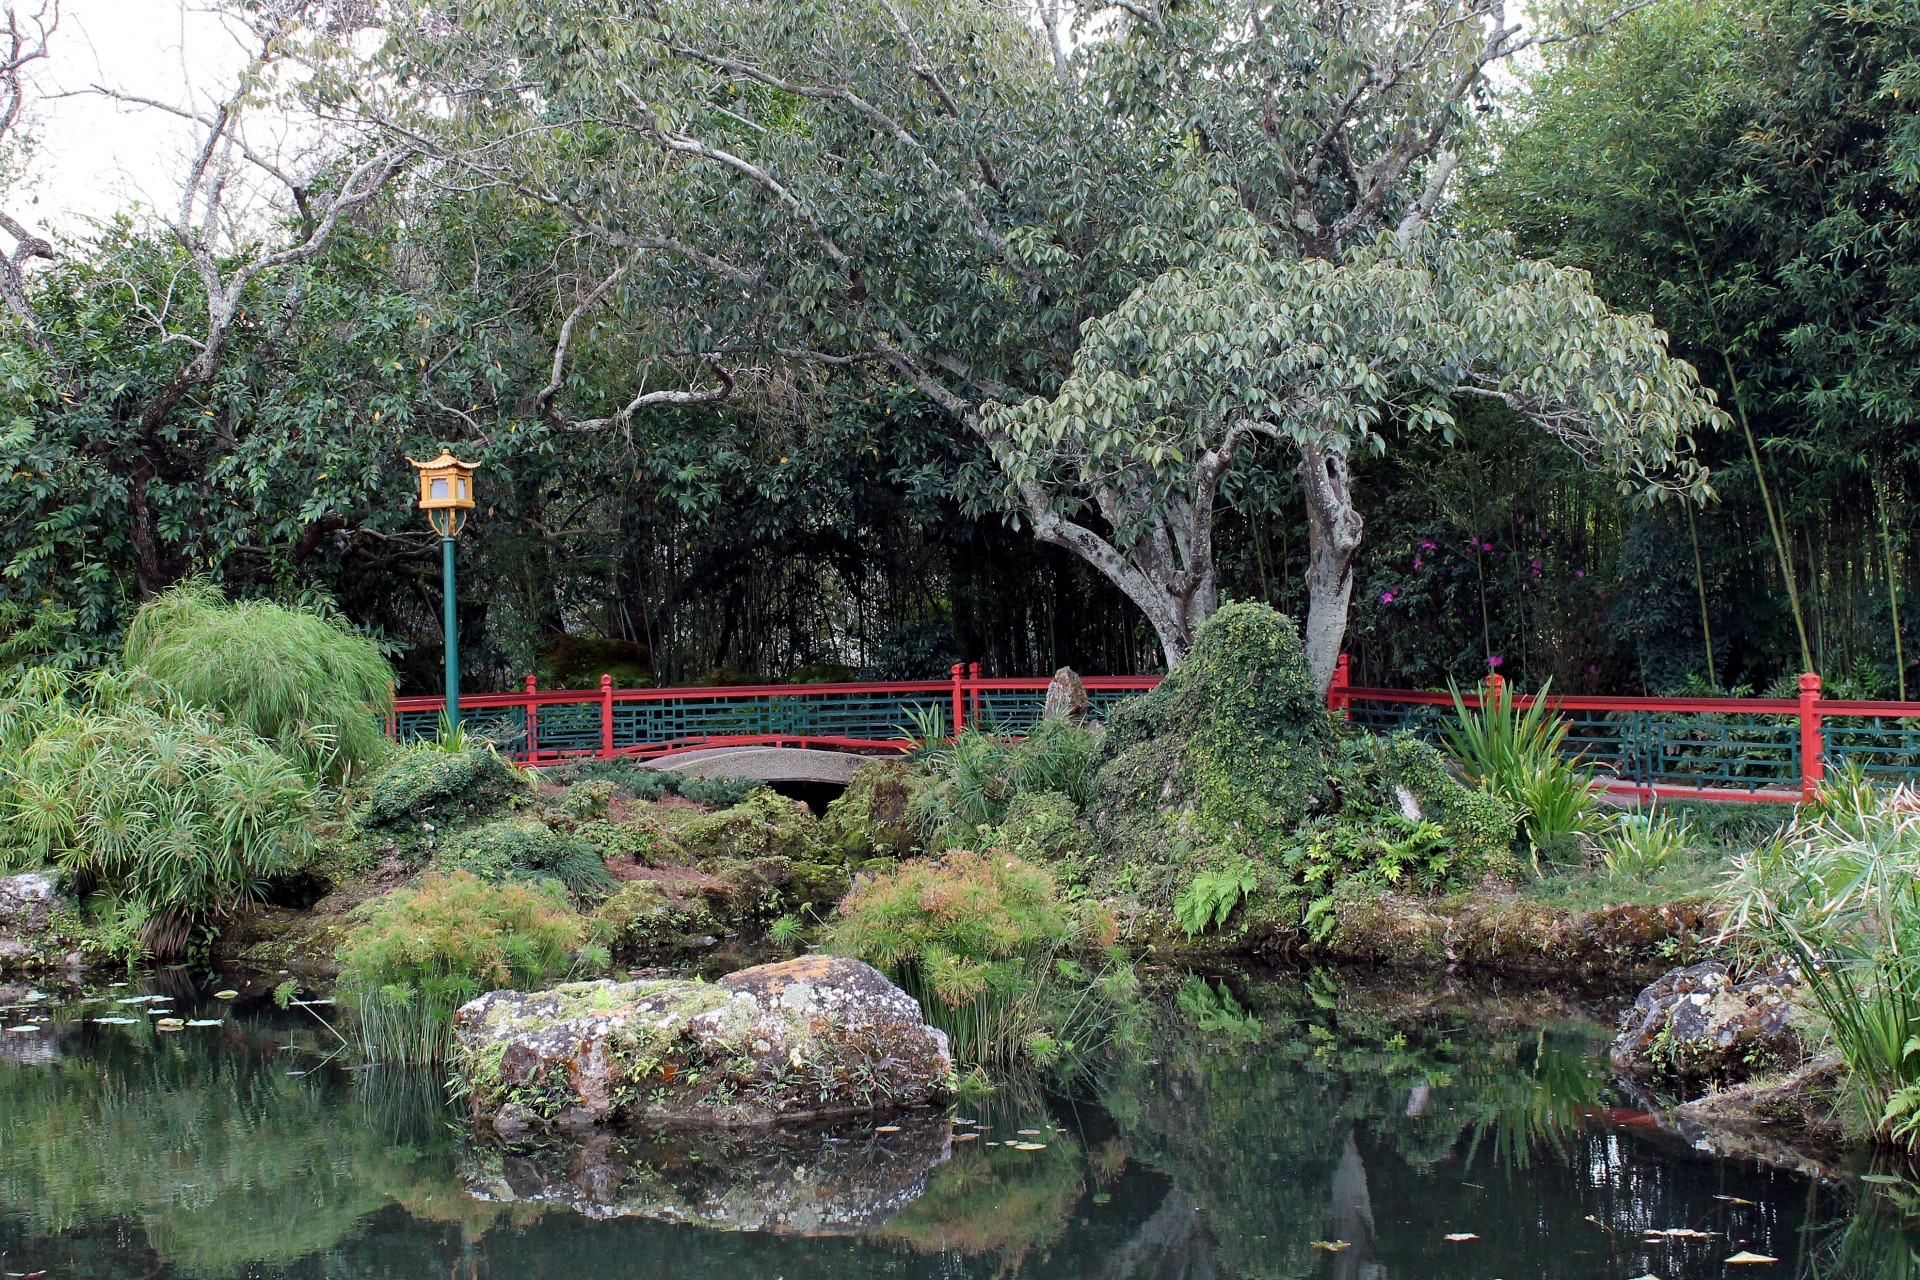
x: 304, y: 682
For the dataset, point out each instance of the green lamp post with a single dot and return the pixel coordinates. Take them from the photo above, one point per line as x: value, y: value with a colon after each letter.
x: 446, y: 495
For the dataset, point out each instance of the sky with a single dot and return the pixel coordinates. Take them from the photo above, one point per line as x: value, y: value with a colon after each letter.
x: 95, y: 156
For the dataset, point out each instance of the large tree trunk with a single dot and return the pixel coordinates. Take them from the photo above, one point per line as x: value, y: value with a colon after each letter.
x: 1333, y: 540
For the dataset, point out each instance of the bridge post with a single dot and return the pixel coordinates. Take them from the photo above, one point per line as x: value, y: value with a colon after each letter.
x: 959, y: 699
x: 606, y: 717
x: 533, y: 722
x: 1812, y: 743
x: 973, y: 692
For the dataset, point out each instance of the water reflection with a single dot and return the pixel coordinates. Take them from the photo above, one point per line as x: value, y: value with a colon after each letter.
x: 1267, y: 1127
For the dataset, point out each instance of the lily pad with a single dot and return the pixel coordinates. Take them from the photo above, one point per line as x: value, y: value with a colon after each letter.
x: 1028, y: 1146
x: 28, y: 1027
x: 117, y: 1022
x: 205, y: 1022
x: 1744, y: 1256
x: 228, y: 994
x: 1332, y: 1246
x: 1458, y: 1236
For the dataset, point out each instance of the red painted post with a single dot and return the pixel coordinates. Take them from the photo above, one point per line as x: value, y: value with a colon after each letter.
x: 606, y: 717
x: 1337, y: 700
x: 1491, y: 690
x: 959, y: 703
x: 973, y: 692
x: 533, y: 722
x: 1812, y: 747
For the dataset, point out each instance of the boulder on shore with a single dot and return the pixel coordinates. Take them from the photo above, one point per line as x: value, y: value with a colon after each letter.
x: 1699, y: 1026
x: 30, y: 940
x: 842, y: 1178
x: 804, y: 1039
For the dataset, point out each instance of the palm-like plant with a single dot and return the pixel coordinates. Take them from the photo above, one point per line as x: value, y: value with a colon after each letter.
x: 1518, y: 754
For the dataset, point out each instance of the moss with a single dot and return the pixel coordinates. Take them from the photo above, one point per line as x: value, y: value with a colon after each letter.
x: 873, y: 817
x: 765, y: 824
x: 650, y: 916
x: 646, y: 838
x: 1045, y: 828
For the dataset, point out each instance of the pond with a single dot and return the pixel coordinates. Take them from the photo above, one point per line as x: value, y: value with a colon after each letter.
x: 1254, y: 1125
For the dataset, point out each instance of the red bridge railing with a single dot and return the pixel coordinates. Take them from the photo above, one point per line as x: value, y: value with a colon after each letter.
x: 1761, y: 749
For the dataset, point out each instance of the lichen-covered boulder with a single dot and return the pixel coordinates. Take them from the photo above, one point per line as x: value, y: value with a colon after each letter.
x: 804, y: 1039
x: 1700, y: 1026
x: 30, y: 937
x: 842, y: 1178
x: 1066, y: 697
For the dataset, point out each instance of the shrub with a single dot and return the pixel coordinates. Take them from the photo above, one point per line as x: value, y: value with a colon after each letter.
x: 588, y: 801
x: 424, y: 792
x: 319, y: 692
x: 417, y: 954
x: 977, y: 939
x: 1043, y: 828
x: 638, y: 781
x: 641, y: 839
x: 1839, y: 893
x: 138, y: 796
x: 1642, y: 844
x: 979, y: 774
x: 766, y: 823
x: 1517, y: 755
x: 528, y: 849
x: 873, y: 816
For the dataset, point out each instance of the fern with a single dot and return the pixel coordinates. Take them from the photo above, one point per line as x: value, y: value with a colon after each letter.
x: 1213, y: 895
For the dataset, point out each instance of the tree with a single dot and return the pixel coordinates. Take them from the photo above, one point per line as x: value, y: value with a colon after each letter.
x: 1248, y: 346
x: 932, y: 187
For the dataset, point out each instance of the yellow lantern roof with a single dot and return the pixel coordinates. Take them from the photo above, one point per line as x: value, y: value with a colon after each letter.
x: 446, y: 483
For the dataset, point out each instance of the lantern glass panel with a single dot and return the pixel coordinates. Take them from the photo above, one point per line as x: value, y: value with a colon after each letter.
x: 439, y: 488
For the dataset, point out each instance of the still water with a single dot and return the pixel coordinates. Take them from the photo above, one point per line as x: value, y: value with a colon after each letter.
x: 1252, y: 1126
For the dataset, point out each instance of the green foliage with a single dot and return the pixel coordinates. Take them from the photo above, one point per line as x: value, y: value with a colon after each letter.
x: 1643, y: 844
x: 979, y: 774
x: 304, y: 682
x: 638, y: 781
x: 588, y: 801
x: 419, y: 953
x: 764, y: 824
x: 425, y: 791
x: 978, y: 939
x: 1517, y: 754
x: 527, y: 849
x: 1045, y: 828
x: 874, y: 816
x: 1206, y: 903
x: 1234, y: 757
x: 171, y: 810
x: 36, y: 637
x: 1839, y: 894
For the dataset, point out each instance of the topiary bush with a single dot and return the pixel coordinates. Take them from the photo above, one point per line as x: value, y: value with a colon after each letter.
x: 1233, y: 772
x: 425, y: 792
x: 417, y: 954
x: 304, y: 682
x: 528, y: 849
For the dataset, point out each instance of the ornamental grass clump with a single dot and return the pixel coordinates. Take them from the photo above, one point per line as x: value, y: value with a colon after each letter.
x: 417, y: 954
x: 1838, y: 892
x: 1518, y: 754
x: 173, y: 815
x: 304, y: 682
x: 985, y: 943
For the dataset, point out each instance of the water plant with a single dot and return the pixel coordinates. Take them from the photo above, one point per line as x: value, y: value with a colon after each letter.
x: 979, y: 940
x: 303, y: 681
x: 1643, y: 844
x: 1838, y: 892
x: 1206, y: 903
x: 1518, y: 754
x: 139, y: 797
x: 417, y: 954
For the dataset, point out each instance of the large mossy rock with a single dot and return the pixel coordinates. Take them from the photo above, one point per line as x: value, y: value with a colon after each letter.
x: 804, y: 1039
x: 1702, y: 1026
x: 1236, y: 755
x: 840, y: 1178
x: 33, y: 912
x: 873, y: 817
x: 766, y: 824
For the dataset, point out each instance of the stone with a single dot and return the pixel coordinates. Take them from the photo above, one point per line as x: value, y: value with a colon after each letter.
x: 1066, y: 697
x: 30, y: 938
x: 804, y: 1039
x: 1700, y: 1026
x: 843, y: 1178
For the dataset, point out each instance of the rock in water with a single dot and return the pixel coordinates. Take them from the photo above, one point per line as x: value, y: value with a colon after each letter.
x: 1066, y: 697
x: 1697, y: 1026
x: 841, y: 1178
x: 804, y: 1039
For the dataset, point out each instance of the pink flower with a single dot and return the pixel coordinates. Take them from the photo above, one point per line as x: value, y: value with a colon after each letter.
x: 1428, y: 546
x: 1416, y: 562
x: 1579, y: 573
x: 1593, y: 669
x: 1494, y: 660
x: 1486, y: 546
x: 1386, y: 597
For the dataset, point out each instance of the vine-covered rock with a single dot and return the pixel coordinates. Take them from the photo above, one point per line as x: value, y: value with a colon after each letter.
x: 765, y: 824
x: 426, y: 794
x: 873, y: 817
x: 1701, y: 1026
x: 804, y: 1039
x: 32, y: 910
x: 1234, y: 764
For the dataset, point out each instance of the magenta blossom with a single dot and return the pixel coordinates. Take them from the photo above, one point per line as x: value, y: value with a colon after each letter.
x: 1386, y: 597
x: 1579, y: 573
x: 1494, y: 660
x: 1416, y: 562
x: 1429, y: 546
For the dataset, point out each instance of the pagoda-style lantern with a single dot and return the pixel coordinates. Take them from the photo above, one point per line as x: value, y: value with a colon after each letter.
x: 446, y: 492
x: 446, y: 495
